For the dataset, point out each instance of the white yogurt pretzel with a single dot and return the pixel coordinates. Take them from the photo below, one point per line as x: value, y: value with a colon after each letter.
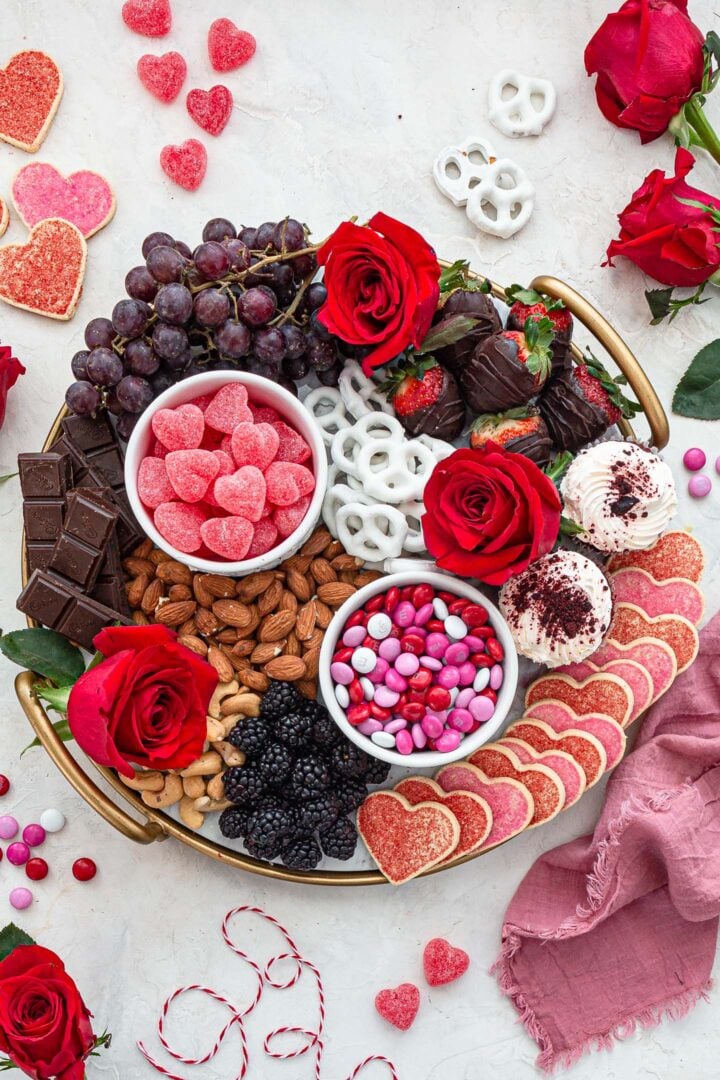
x: 337, y: 476
x: 516, y: 114
x: 399, y: 472
x: 505, y: 188
x: 359, y: 393
x: 371, y: 533
x: 458, y: 188
x: 413, y: 511
x: 338, y: 496
x: 327, y: 407
x: 373, y: 430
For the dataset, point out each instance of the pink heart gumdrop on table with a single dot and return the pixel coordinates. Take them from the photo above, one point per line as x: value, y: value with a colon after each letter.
x: 288, y: 518
x: 180, y: 524
x: 399, y: 1006
x: 191, y: 472
x: 229, y: 408
x: 242, y: 493
x: 229, y: 537
x: 443, y: 962
x: 153, y: 485
x: 84, y: 198
x: 264, y: 538
x: 210, y: 109
x: 255, y: 444
x: 185, y: 164
x: 151, y: 18
x: 292, y: 446
x: 179, y: 429
x: 162, y: 75
x: 228, y: 47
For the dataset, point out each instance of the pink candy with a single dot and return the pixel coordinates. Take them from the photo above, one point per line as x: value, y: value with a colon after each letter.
x: 292, y: 447
x: 404, y: 614
x: 153, y: 484
x: 389, y: 649
x: 436, y: 645
x: 407, y: 664
x: 403, y: 742
x: 229, y: 408
x: 180, y: 524
x: 229, y: 537
x: 255, y: 444
x: 191, y: 472
x: 179, y: 429
x: 242, y: 493
x: 395, y: 681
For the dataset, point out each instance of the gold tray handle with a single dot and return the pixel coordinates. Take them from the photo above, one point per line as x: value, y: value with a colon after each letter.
x: 141, y: 833
x: 616, y: 348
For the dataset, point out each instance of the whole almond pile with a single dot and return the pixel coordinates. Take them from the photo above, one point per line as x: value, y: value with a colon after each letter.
x: 268, y: 625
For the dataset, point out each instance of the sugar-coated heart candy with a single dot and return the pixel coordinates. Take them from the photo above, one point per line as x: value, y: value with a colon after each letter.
x: 159, y: 450
x: 30, y: 90
x: 227, y: 466
x: 288, y: 518
x: 229, y: 408
x: 179, y: 429
x: 191, y: 472
x: 399, y: 1006
x: 151, y: 18
x: 229, y: 537
x: 292, y: 446
x: 45, y: 275
x: 210, y: 109
x: 264, y: 538
x: 153, y: 485
x: 255, y: 444
x: 180, y: 524
x: 242, y: 492
x: 228, y: 47
x: 443, y: 963
x: 282, y: 490
x: 162, y: 75
x: 302, y: 476
x: 84, y: 198
x: 185, y: 164
x: 264, y: 414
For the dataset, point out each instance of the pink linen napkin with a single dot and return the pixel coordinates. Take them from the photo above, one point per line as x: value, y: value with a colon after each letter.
x: 620, y: 927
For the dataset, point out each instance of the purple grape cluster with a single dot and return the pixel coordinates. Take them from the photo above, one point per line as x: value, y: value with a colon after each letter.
x: 244, y: 299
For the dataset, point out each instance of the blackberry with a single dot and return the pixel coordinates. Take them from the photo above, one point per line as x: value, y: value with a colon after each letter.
x: 310, y: 777
x: 250, y: 735
x: 244, y: 784
x: 268, y: 827
x: 302, y: 854
x: 377, y: 771
x: 325, y: 732
x: 318, y: 813
x: 275, y: 763
x: 267, y: 852
x: 279, y: 698
x: 234, y: 822
x: 340, y: 840
x: 294, y: 729
x: 350, y: 794
x: 349, y: 760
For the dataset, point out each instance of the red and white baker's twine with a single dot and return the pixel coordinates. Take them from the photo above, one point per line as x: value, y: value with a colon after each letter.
x: 237, y: 1016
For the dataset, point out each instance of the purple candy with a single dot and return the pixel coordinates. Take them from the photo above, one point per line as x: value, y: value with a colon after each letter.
x: 431, y: 663
x: 353, y: 636
x: 423, y: 614
x: 368, y: 727
x: 432, y: 725
x: 461, y: 719
x: 394, y: 681
x: 21, y: 898
x: 448, y: 677
x: 378, y: 673
x: 481, y: 708
x: 385, y: 697
x: 436, y: 645
x: 389, y: 649
x: 404, y: 614
x: 496, y: 676
x: 457, y: 653
x: 448, y: 741
x: 33, y: 835
x: 464, y: 697
x: 18, y: 853
x: 467, y: 673
x: 342, y: 673
x: 419, y: 737
x: 393, y: 726
x: 403, y: 742
x: 407, y: 664
x: 474, y: 644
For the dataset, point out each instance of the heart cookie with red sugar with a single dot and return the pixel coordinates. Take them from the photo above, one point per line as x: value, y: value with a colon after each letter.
x: 443, y: 963
x: 631, y: 622
x: 151, y: 18
x: 656, y: 657
x: 45, y: 275
x: 583, y: 747
x: 185, y: 164
x: 560, y: 718
x: 598, y: 693
x: 634, y: 674
x: 399, y: 1006
x: 30, y: 90
x: 210, y: 109
x: 511, y: 804
x: 543, y: 784
x: 673, y: 551
x: 162, y: 75
x: 406, y: 840
x: 228, y: 47
x: 84, y: 198
x: 563, y: 764
x: 472, y: 811
x: 4, y: 217
x: 671, y: 596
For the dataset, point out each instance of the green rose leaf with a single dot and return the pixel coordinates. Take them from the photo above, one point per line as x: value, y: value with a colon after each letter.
x: 698, y: 392
x: 46, y: 652
x: 12, y: 936
x: 447, y: 333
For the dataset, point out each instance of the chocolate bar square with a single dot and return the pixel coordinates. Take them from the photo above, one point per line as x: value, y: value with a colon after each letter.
x: 45, y: 475
x: 43, y: 518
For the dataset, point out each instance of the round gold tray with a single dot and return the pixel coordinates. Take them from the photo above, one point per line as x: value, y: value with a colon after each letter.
x: 157, y: 825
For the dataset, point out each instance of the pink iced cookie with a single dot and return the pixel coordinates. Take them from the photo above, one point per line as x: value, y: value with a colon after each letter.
x: 4, y: 217
x: 597, y: 693
x: 571, y: 775
x: 228, y: 408
x: 85, y: 198
x: 560, y: 718
x: 264, y: 538
x: 473, y: 814
x: 292, y: 446
x: 631, y: 623
x: 242, y: 493
x: 654, y: 655
x: 585, y: 750
x: 254, y: 444
x: 229, y: 537
x: 191, y: 472
x: 179, y: 429
x: 153, y: 485
x: 672, y: 596
x: 180, y: 524
x: 543, y: 783
x: 511, y: 804
x: 287, y: 518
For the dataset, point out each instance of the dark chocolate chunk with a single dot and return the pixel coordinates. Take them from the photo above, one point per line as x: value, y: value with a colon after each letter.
x: 87, y: 529
x: 43, y: 518
x: 56, y: 604
x: 38, y: 554
x: 45, y: 475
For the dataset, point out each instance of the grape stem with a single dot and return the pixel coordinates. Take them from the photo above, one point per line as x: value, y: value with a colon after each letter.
x: 288, y: 314
x: 282, y: 256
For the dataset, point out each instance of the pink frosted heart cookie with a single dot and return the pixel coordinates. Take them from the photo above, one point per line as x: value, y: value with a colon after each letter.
x: 675, y: 550
x: 510, y: 802
x: 162, y: 75
x: 443, y: 963
x: 473, y: 813
x: 560, y: 718
x: 45, y: 275
x: 185, y: 164
x: 671, y: 596
x: 242, y: 493
x: 229, y: 537
x: 181, y: 428
x: 4, y: 217
x: 210, y: 109
x: 655, y: 656
x: 191, y: 472
x: 563, y: 764
x: 84, y: 198
x: 31, y: 86
x: 151, y: 18
x: 543, y: 784
x: 228, y: 47
x: 631, y: 623
x: 587, y: 751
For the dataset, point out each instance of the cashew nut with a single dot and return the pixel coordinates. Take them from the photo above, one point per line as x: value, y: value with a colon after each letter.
x: 246, y: 704
x: 222, y: 690
x: 207, y: 765
x: 211, y: 806
x: 216, y: 787
x: 189, y: 815
x: 172, y: 792
x: 144, y: 781
x: 194, y: 786
x: 215, y: 729
x: 230, y: 754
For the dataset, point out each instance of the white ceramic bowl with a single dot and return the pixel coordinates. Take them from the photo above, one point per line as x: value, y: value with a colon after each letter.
x: 420, y: 759
x: 261, y: 392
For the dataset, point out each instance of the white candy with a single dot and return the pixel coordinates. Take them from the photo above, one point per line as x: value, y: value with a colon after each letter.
x: 481, y: 679
x: 360, y: 394
x: 455, y: 627
x: 341, y: 696
x: 379, y: 625
x: 440, y: 608
x: 506, y: 188
x: 392, y: 472
x: 52, y: 820
x: 363, y: 660
x: 367, y: 687
x: 371, y: 533
x: 384, y: 739
x: 457, y: 159
x: 326, y: 406
x: 516, y: 114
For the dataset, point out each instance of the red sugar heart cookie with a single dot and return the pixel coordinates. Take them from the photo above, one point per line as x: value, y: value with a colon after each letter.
x: 180, y: 428
x: 560, y: 718
x: 399, y: 1006
x: 472, y: 812
x: 631, y: 623
x: 185, y: 164
x: 229, y: 536
x: 563, y: 764
x: 191, y: 473
x: 674, y: 551
x: 228, y: 47
x: 151, y: 18
x: 672, y: 596
x: 510, y: 802
x: 210, y: 109
x: 255, y: 444
x: 543, y: 784
x: 405, y: 840
x: 598, y: 693
x: 583, y: 747
x: 4, y: 217
x: 162, y: 75
x: 180, y: 524
x: 153, y: 486
x: 84, y: 198
x: 46, y: 274
x: 654, y: 655
x: 30, y: 90
x: 443, y: 963
x: 242, y: 493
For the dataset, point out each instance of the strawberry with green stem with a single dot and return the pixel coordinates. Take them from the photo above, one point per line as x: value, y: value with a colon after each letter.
x: 520, y: 430
x: 508, y: 368
x: 426, y: 398
x: 580, y: 404
x: 529, y: 304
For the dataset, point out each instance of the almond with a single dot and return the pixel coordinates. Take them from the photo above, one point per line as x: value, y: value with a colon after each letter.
x: 306, y: 618
x: 243, y: 648
x: 180, y: 592
x: 232, y: 612
x: 323, y: 614
x: 288, y: 601
x: 270, y: 599
x: 203, y: 597
x: 250, y: 587
x: 347, y: 576
x: 157, y: 556
x: 286, y: 668
x: 207, y: 624
x: 322, y: 571
x: 315, y: 640
x: 367, y: 577
x: 151, y: 598
x: 195, y: 644
x: 240, y: 664
x: 140, y: 618
x: 136, y: 590
x: 312, y: 663
x: 266, y: 650
x: 256, y: 680
x: 221, y: 664
x: 276, y: 626
x: 346, y: 562
x: 134, y: 566
x: 219, y: 586
x: 188, y: 627
x: 308, y: 688
x: 298, y: 584
x: 335, y: 593
x: 249, y: 630
x: 142, y: 551
x: 228, y: 636
x: 174, y: 573
x: 333, y: 549
x: 301, y: 563
x: 173, y: 613
x: 319, y: 540
x: 292, y: 645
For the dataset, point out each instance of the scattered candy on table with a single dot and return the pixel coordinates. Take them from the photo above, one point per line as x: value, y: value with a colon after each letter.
x: 21, y: 898
x: 52, y: 820
x: 33, y: 835
x: 8, y: 827
x: 36, y: 869
x: 4, y: 785
x: 18, y: 853
x: 699, y: 486
x: 84, y: 869
x: 694, y: 459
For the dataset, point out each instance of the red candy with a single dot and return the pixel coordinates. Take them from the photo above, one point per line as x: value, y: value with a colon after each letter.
x: 357, y: 618
x: 375, y: 603
x: 228, y: 47
x: 391, y: 599
x: 495, y: 649
x: 413, y: 712
x: 443, y: 963
x: 413, y: 643
x: 264, y: 538
x: 179, y: 429
x: 185, y: 164
x: 422, y: 594
x: 292, y: 446
x: 151, y: 18
x: 4, y: 785
x: 400, y: 1006
x: 210, y: 109
x: 190, y: 472
x: 438, y: 698
x: 378, y: 713
x: 36, y: 869
x: 288, y: 518
x: 481, y: 660
x: 420, y: 680
x: 475, y: 615
x: 282, y: 487
x: 448, y: 597
x: 371, y: 643
x: 343, y: 656
x: 483, y: 632
x: 356, y: 693
x: 229, y: 537
x: 180, y: 523
x: 84, y: 869
x: 255, y: 444
x: 229, y: 408
x: 435, y: 626
x: 162, y: 75
x: 153, y: 485
x: 242, y: 493
x: 488, y: 692
x: 358, y: 714
x: 407, y: 592
x: 458, y: 606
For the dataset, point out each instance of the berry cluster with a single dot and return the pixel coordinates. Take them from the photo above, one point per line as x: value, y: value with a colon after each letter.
x: 301, y: 780
x: 242, y: 300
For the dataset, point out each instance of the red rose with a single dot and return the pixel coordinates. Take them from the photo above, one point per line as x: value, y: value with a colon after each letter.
x: 674, y: 243
x: 44, y: 1025
x: 649, y: 61
x: 382, y: 289
x: 146, y: 703
x: 10, y: 371
x: 489, y: 513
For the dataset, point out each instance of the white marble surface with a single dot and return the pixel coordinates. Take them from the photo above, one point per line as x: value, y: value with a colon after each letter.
x: 342, y: 111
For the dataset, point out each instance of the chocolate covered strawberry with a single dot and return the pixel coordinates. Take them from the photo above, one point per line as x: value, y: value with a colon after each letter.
x: 426, y: 399
x: 476, y: 305
x: 581, y: 403
x: 529, y: 304
x: 523, y: 431
x: 508, y: 368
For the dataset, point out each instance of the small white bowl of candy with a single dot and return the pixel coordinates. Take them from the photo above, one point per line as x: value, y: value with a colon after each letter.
x: 418, y: 669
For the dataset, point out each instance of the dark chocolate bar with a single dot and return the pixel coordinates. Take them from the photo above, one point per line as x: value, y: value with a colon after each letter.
x: 87, y: 529
x: 59, y: 606
x: 109, y: 588
x: 45, y: 479
x: 38, y: 554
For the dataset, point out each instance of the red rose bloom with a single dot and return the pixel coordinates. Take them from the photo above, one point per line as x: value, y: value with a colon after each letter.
x: 489, y: 513
x: 674, y: 243
x: 382, y: 284
x: 10, y: 371
x: 146, y: 703
x: 44, y: 1025
x: 649, y: 61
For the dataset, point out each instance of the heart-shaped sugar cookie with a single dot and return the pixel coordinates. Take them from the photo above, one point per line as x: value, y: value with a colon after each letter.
x: 210, y: 109
x: 4, y: 217
x: 443, y: 963
x: 46, y: 274
x: 543, y: 784
x: 511, y: 804
x: 30, y: 90
x: 472, y: 812
x: 600, y: 693
x: 405, y: 840
x: 85, y: 198
x: 582, y: 746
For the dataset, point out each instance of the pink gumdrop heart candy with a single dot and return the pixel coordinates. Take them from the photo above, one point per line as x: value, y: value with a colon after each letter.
x: 180, y: 523
x: 229, y: 408
x: 302, y: 476
x: 84, y: 198
x: 264, y: 538
x: 282, y: 488
x: 227, y: 466
x: 255, y: 444
x: 443, y: 962
x: 210, y: 109
x: 153, y: 484
x: 191, y: 472
x: 287, y: 518
x: 162, y: 75
x: 151, y: 18
x: 264, y: 414
x: 185, y: 164
x: 292, y: 446
x: 228, y: 47
x: 399, y: 1006
x: 229, y: 536
x: 179, y: 429
x: 242, y: 493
